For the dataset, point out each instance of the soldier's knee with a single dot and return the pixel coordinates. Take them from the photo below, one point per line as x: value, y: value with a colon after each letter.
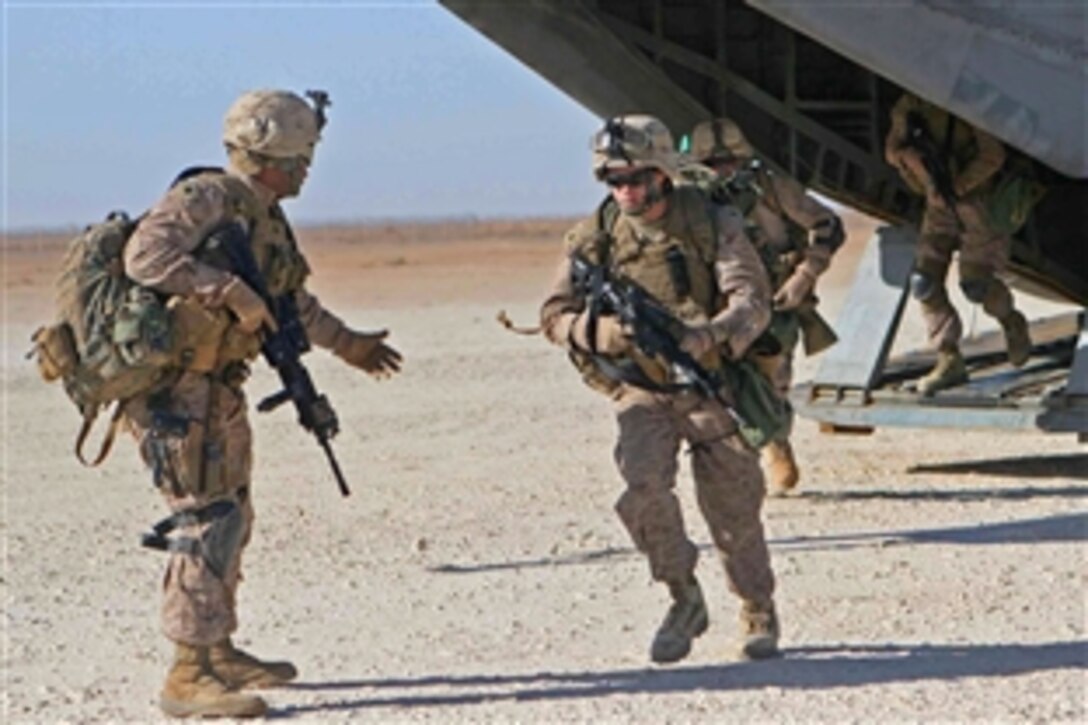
x: 975, y: 289
x: 923, y: 285
x: 629, y: 508
x: 940, y: 246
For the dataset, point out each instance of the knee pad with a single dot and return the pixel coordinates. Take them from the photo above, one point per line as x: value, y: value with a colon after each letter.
x: 923, y: 287
x: 976, y: 288
x: 221, y: 541
x: 217, y: 545
x: 829, y: 233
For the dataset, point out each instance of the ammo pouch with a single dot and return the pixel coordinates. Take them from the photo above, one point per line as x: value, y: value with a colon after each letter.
x: 765, y: 415
x: 55, y: 351
x: 218, y: 543
x: 205, y: 340
x: 198, y: 334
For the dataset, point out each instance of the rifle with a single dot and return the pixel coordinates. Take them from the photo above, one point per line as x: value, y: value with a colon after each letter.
x: 933, y: 159
x: 816, y: 334
x: 283, y: 348
x: 656, y: 331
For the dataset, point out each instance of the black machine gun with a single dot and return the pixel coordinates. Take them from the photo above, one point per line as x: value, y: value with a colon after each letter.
x: 283, y: 348
x: 935, y: 160
x: 656, y: 332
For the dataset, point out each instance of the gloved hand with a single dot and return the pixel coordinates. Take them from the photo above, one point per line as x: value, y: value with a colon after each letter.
x: 612, y: 338
x: 368, y: 352
x: 961, y: 188
x: 697, y: 342
x: 247, y: 306
x: 795, y: 290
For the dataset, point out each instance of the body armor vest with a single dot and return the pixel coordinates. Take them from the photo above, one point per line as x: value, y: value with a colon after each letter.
x: 673, y: 261
x: 210, y: 338
x: 281, y: 262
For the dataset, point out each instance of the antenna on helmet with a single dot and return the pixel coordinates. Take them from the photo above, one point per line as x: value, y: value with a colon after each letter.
x: 321, y: 101
x: 614, y: 128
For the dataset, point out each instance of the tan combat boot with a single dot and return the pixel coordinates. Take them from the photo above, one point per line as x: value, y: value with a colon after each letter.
x: 193, y: 690
x: 1017, y: 339
x: 779, y: 468
x: 759, y: 631
x: 686, y: 620
x: 949, y: 372
x: 242, y: 670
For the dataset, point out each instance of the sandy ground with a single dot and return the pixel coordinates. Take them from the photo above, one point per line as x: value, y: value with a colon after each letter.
x: 478, y: 572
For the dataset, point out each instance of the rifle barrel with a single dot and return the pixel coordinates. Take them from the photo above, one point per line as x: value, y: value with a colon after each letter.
x: 344, y: 491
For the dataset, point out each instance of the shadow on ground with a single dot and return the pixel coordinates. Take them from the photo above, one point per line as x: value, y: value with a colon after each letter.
x: 802, y: 668
x: 1068, y: 466
x: 963, y: 495
x: 1063, y: 528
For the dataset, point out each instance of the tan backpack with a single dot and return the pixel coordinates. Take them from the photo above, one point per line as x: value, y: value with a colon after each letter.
x: 112, y: 338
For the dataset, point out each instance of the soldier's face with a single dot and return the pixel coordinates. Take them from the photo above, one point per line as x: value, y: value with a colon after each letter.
x: 285, y: 177
x: 630, y: 189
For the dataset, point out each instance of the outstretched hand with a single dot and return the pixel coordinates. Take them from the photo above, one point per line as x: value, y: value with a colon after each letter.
x: 368, y: 352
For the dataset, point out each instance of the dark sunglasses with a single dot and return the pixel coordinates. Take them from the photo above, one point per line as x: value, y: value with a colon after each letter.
x: 287, y: 164
x: 638, y: 178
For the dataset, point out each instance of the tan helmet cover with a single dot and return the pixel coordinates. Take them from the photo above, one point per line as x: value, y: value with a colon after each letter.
x: 635, y: 141
x: 720, y: 138
x: 278, y: 124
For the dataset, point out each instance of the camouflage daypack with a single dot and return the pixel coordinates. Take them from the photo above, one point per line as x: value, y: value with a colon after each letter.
x: 112, y: 337
x: 1013, y: 195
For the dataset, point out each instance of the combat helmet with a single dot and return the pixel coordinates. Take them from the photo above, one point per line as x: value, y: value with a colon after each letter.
x: 275, y: 124
x: 719, y: 140
x: 637, y: 141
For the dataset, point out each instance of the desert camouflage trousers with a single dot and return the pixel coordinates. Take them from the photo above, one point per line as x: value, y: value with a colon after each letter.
x: 982, y: 254
x: 728, y: 483
x: 210, y: 461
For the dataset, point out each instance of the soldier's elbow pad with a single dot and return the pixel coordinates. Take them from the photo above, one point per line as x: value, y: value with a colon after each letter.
x: 829, y: 233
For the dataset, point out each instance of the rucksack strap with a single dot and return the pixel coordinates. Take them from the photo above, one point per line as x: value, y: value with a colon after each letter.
x: 196, y: 171
x: 107, y: 441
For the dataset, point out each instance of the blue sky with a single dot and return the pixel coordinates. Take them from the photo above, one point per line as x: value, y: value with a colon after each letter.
x: 105, y: 102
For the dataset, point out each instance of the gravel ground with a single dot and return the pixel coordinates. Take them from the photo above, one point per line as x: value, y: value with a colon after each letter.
x: 478, y: 572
